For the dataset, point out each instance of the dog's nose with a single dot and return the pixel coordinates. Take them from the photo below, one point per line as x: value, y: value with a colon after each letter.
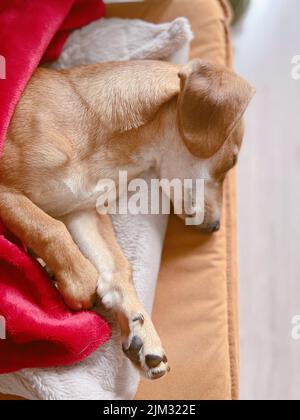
x: 209, y: 228
x: 214, y: 227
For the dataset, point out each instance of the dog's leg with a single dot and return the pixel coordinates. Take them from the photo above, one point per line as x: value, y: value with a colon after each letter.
x: 49, y: 239
x: 94, y: 234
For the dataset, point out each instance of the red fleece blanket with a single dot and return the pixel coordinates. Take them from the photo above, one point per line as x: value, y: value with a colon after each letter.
x: 40, y: 330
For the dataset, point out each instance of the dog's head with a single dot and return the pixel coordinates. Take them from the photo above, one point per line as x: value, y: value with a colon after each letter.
x: 211, y: 104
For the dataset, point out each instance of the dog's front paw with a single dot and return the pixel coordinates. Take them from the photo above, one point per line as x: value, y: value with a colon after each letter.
x: 78, y: 286
x: 77, y: 298
x: 144, y: 348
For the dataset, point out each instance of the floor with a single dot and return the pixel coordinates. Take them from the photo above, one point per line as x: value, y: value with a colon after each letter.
x: 269, y: 201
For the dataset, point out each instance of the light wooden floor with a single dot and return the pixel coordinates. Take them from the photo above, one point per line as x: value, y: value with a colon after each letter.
x: 269, y: 201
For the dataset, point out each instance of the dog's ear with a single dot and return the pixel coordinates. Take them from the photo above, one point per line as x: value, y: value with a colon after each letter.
x: 211, y: 103
x: 132, y: 94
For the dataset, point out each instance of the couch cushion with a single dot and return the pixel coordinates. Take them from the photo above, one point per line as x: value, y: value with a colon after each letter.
x: 196, y: 309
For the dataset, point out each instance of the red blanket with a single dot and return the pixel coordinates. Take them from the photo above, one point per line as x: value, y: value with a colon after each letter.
x: 40, y: 330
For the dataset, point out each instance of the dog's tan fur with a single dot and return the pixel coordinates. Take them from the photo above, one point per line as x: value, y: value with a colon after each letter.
x: 75, y: 127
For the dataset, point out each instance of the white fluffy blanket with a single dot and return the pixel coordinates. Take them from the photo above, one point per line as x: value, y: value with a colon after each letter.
x: 107, y: 374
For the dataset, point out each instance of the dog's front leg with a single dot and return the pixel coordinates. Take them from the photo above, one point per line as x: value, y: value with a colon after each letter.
x: 94, y: 234
x: 49, y: 239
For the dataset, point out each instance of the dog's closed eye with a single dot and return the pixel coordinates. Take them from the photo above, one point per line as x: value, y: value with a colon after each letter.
x: 226, y: 167
x: 234, y: 161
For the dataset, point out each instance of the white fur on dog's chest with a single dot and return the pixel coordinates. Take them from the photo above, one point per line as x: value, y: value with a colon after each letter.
x: 80, y: 190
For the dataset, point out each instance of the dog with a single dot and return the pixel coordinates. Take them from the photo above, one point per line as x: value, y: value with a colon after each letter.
x: 75, y: 127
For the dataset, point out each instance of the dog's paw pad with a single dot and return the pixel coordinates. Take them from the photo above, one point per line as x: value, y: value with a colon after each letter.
x: 152, y: 361
x: 133, y: 351
x: 144, y: 348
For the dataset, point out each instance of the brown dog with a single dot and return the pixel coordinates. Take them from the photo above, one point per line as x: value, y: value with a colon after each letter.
x: 75, y: 127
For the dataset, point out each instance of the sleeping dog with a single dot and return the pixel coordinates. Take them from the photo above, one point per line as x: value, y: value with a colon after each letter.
x: 75, y: 127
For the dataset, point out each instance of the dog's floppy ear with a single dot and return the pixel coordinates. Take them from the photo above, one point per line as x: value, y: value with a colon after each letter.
x: 211, y: 103
x: 133, y: 93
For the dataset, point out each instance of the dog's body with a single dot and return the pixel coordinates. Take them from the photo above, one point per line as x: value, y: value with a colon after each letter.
x: 73, y: 128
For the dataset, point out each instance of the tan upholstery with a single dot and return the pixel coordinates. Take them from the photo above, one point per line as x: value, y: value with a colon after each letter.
x: 196, y: 309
